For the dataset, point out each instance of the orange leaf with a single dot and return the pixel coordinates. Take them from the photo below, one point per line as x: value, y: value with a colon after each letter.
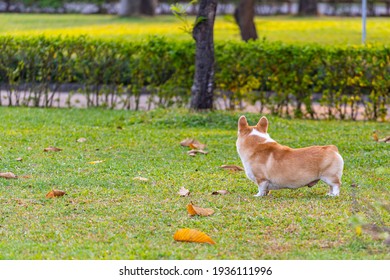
x: 232, y: 167
x: 192, y: 143
x: 375, y: 136
x: 8, y: 175
x: 192, y: 146
x: 55, y: 193
x: 191, y: 210
x: 192, y: 235
x: 52, y: 149
x: 195, y: 210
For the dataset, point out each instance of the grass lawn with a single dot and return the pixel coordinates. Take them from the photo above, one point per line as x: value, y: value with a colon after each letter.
x: 289, y: 29
x: 108, y: 215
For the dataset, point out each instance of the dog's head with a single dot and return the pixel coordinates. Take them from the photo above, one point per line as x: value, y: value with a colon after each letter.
x: 259, y: 130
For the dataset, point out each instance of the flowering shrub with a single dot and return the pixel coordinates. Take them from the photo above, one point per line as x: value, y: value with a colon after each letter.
x: 284, y: 78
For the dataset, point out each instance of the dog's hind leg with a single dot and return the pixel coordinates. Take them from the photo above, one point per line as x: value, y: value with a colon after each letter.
x: 332, y: 176
x: 334, y: 185
x: 263, y: 189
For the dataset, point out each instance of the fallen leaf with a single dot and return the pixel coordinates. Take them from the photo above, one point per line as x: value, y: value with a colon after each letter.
x: 55, y: 193
x: 197, y: 146
x: 8, y: 175
x: 232, y: 167
x: 195, y: 210
x: 358, y: 230
x: 186, y: 142
x: 192, y: 143
x: 193, y: 146
x: 52, y: 149
x: 385, y: 140
x: 375, y: 136
x: 184, y: 192
x: 192, y: 235
x: 194, y: 152
x: 96, y: 161
x: 220, y: 192
x: 81, y: 140
x: 19, y: 159
x: 141, y: 179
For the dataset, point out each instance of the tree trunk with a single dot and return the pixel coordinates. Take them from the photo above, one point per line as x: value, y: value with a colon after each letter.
x: 244, y: 15
x: 7, y: 5
x: 129, y: 7
x: 203, y: 33
x: 307, y: 7
x: 148, y: 7
x: 137, y: 7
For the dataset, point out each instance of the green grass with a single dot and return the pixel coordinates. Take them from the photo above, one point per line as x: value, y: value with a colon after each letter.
x: 108, y: 215
x: 289, y: 29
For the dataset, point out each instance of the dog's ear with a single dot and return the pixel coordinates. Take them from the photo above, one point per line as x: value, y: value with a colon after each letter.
x: 262, y: 125
x: 242, y: 123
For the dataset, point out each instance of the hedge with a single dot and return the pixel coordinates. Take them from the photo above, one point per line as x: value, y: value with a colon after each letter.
x: 284, y: 79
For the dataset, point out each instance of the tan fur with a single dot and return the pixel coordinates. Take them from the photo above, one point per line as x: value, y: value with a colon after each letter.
x: 273, y: 166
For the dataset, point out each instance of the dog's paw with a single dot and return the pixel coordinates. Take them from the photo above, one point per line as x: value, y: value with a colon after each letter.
x: 261, y: 194
x: 332, y: 194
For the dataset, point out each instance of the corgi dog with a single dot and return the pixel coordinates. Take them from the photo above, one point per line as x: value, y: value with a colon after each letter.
x: 273, y: 166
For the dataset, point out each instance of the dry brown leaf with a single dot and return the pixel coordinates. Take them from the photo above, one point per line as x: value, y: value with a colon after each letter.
x: 193, y: 146
x: 19, y: 159
x: 184, y: 192
x: 195, y: 210
x: 192, y: 235
x: 141, y: 179
x: 232, y: 167
x: 96, y: 161
x: 194, y: 152
x: 8, y: 175
x: 81, y: 140
x: 55, y: 193
x: 220, y: 192
x: 197, y: 146
x: 385, y: 140
x: 192, y: 143
x: 52, y: 149
x: 186, y: 142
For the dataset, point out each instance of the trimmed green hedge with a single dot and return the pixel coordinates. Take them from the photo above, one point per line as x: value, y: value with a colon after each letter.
x: 284, y: 78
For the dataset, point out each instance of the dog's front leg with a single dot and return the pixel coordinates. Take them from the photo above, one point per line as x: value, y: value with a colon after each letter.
x: 263, y: 189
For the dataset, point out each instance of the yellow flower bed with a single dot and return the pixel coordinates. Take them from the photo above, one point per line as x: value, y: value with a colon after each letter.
x: 321, y: 30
